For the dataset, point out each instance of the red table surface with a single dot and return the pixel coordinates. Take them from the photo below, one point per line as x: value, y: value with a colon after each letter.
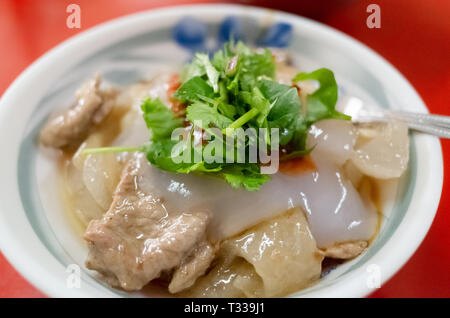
x: 414, y: 36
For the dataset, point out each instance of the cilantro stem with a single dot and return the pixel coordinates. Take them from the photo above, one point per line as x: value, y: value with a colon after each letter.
x: 91, y: 151
x: 242, y: 120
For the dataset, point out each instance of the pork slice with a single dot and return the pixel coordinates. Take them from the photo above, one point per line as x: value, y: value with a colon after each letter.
x: 69, y: 127
x: 192, y: 267
x: 345, y: 250
x: 138, y: 239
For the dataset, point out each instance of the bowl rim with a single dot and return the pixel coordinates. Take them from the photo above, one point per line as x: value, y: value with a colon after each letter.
x: 404, y: 241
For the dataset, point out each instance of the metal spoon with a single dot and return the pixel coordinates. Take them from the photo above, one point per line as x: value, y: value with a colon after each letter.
x: 437, y: 125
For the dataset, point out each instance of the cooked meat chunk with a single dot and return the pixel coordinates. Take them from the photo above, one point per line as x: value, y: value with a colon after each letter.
x: 194, y: 266
x: 138, y: 239
x: 92, y: 106
x: 346, y: 250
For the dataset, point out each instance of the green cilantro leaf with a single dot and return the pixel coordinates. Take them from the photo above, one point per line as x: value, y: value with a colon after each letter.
x: 159, y: 119
x: 193, y: 90
x: 207, y: 115
x: 321, y: 103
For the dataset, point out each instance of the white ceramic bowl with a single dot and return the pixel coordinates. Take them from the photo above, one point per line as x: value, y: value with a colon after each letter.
x: 37, y: 238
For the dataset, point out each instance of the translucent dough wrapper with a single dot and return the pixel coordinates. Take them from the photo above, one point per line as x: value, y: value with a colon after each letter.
x: 382, y: 151
x: 274, y: 258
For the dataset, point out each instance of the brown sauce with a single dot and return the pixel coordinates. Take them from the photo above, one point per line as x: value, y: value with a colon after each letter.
x: 297, y: 166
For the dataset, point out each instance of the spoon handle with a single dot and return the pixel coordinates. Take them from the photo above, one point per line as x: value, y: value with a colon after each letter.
x: 436, y: 125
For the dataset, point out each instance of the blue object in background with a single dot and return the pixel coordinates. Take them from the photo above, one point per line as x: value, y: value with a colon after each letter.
x: 278, y: 35
x: 193, y: 35
x: 190, y: 34
x: 230, y: 28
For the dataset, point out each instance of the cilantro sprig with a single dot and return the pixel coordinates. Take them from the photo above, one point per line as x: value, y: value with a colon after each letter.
x: 236, y: 88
